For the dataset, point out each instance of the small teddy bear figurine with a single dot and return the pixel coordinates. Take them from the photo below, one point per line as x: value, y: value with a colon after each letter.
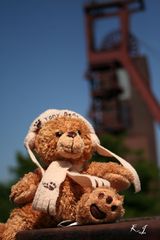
x: 69, y: 187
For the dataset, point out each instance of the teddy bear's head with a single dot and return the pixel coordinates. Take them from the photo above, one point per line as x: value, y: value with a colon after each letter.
x: 64, y: 138
x: 61, y: 135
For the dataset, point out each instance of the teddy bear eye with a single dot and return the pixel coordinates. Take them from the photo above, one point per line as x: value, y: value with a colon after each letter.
x: 79, y: 132
x: 58, y: 133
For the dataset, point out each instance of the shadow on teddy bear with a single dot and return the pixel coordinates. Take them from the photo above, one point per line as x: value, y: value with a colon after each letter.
x: 69, y: 187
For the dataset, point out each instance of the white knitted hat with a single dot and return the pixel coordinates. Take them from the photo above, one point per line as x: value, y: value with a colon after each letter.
x: 52, y: 114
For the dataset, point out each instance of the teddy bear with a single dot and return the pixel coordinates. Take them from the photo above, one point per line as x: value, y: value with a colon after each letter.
x: 67, y: 186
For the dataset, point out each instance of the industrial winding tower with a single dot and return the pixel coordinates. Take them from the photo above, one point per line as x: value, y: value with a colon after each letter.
x: 122, y: 100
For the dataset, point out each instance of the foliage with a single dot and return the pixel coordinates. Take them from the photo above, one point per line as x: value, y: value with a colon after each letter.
x: 5, y: 204
x: 23, y: 165
x: 147, y: 202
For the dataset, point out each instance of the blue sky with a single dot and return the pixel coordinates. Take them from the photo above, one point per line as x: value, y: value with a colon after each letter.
x: 43, y: 62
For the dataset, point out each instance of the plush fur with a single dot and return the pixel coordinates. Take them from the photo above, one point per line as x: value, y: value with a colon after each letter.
x: 66, y: 138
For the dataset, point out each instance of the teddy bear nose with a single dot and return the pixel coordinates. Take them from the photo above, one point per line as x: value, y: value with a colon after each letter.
x: 71, y: 134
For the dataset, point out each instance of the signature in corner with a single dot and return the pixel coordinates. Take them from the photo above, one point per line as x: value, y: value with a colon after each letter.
x: 140, y: 231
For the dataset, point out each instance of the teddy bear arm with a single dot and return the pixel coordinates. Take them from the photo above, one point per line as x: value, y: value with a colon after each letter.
x: 119, y: 177
x: 2, y: 228
x: 24, y: 190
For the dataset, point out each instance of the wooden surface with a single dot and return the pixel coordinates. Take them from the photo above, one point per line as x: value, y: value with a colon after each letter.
x: 128, y: 229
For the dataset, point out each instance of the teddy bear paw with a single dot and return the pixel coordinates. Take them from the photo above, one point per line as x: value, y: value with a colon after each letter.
x: 100, y: 206
x: 22, y: 197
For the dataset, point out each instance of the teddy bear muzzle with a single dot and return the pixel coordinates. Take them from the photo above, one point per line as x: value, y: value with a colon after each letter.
x: 70, y: 144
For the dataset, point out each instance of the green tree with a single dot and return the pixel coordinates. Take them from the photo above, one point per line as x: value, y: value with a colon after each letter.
x: 147, y: 202
x: 5, y: 204
x: 23, y: 165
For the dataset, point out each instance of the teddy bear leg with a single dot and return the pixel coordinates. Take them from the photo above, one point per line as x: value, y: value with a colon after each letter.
x: 100, y: 206
x: 24, y: 218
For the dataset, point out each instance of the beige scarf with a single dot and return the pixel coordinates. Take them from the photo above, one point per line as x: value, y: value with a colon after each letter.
x: 48, y: 189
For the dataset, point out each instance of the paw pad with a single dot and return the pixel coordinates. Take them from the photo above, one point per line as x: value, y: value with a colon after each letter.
x: 101, y: 195
x: 109, y: 199
x: 96, y: 212
x: 114, y: 208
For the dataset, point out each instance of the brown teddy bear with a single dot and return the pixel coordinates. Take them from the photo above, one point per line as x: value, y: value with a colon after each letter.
x: 68, y: 186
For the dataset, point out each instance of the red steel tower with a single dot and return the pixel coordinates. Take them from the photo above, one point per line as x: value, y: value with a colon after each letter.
x: 122, y: 99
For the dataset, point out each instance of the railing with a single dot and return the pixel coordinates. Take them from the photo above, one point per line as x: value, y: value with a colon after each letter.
x: 128, y: 229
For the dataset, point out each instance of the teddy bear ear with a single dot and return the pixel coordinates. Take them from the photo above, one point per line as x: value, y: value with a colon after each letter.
x: 107, y: 153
